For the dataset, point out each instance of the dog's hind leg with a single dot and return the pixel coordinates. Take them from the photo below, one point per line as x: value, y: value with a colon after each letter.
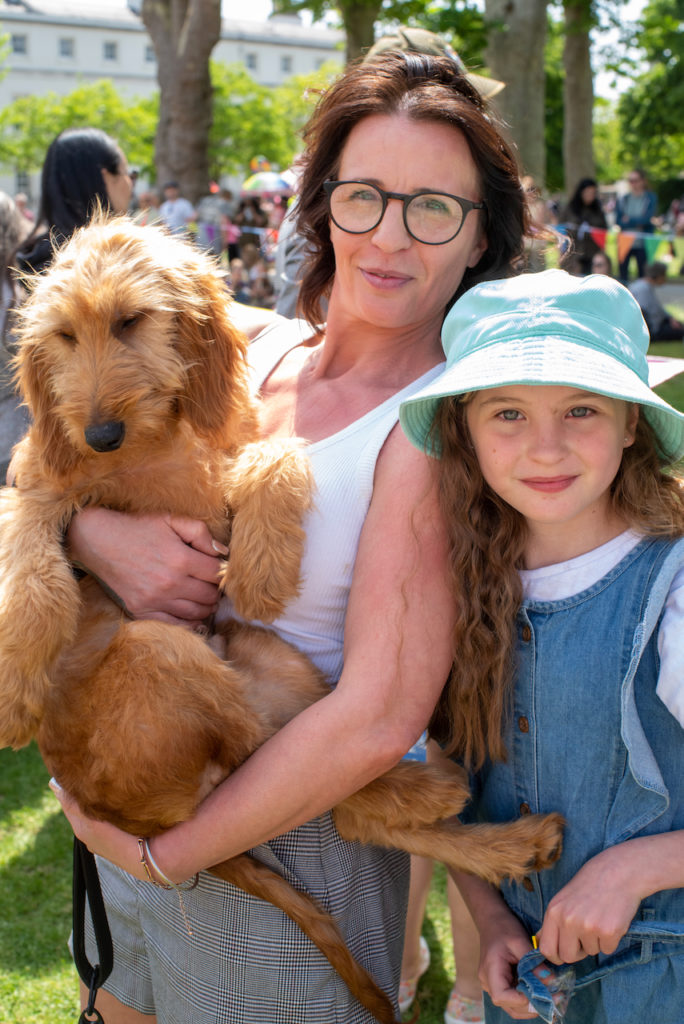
x: 39, y: 603
x: 268, y: 489
x: 256, y: 878
x: 413, y: 806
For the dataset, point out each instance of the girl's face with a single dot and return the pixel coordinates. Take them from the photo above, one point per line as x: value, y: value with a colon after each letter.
x: 384, y: 276
x: 588, y: 195
x: 552, y: 453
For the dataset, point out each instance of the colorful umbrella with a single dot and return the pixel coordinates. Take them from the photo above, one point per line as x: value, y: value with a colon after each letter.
x: 266, y: 183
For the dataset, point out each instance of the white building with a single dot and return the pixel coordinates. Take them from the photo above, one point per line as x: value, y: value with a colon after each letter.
x: 55, y: 45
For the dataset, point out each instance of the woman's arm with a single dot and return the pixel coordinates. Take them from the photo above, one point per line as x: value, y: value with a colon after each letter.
x: 397, y: 657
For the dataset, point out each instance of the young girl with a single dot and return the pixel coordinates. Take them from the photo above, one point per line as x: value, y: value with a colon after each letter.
x: 567, y: 562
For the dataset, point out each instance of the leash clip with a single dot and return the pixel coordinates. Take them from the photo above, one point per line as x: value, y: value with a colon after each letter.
x: 91, y: 1015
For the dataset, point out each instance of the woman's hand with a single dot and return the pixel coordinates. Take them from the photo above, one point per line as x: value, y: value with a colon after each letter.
x: 593, y: 911
x: 100, y: 837
x: 161, y: 567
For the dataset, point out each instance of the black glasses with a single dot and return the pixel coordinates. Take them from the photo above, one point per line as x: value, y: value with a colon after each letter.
x: 430, y: 217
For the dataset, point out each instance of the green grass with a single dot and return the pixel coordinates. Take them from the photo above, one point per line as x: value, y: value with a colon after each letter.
x: 672, y: 390
x: 435, y: 985
x: 37, y: 979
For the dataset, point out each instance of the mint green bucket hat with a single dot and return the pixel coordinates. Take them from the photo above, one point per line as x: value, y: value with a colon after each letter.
x: 546, y: 328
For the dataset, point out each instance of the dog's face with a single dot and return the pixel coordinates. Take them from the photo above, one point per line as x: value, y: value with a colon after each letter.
x: 127, y: 333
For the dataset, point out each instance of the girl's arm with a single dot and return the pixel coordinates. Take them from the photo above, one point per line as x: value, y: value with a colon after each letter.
x: 396, y: 660
x: 593, y: 911
x: 503, y: 941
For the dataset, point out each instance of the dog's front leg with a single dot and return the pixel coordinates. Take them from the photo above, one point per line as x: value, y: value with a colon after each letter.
x: 39, y: 603
x: 413, y: 806
x: 269, y: 490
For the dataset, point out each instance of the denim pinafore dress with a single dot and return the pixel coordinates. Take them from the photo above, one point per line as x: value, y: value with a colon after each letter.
x: 589, y: 737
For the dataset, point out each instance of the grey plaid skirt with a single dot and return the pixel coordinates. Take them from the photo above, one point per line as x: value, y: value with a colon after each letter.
x: 246, y: 962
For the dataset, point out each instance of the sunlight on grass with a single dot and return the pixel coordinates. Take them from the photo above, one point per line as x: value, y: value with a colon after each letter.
x: 52, y: 998
x: 38, y: 982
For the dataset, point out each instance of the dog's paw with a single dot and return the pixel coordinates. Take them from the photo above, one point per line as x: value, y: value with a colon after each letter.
x: 17, y: 727
x: 547, y: 842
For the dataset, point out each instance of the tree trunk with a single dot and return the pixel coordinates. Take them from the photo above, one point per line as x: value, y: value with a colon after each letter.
x: 578, y: 95
x: 358, y: 18
x: 183, y: 32
x: 515, y: 55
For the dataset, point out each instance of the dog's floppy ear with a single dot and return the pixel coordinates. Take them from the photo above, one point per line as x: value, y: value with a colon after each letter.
x: 33, y: 383
x: 216, y: 402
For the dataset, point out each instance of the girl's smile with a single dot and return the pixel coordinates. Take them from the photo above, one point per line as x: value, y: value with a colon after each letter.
x: 552, y: 453
x: 549, y: 484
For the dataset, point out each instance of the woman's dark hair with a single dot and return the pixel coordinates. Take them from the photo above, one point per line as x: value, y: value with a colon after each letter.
x: 424, y: 88
x: 577, y: 204
x: 71, y: 187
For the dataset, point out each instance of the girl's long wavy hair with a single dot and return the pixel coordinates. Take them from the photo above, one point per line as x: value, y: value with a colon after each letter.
x: 486, y: 545
x: 424, y: 88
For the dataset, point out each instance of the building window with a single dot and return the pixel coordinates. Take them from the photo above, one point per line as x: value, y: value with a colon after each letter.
x: 251, y: 61
x: 23, y: 182
x: 67, y: 48
x: 19, y: 44
x: 110, y: 51
x: 150, y: 55
x: 286, y: 65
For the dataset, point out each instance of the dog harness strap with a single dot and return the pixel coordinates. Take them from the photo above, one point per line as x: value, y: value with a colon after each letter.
x: 87, y: 883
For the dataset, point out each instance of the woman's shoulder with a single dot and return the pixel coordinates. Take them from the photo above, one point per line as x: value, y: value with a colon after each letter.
x: 253, y: 320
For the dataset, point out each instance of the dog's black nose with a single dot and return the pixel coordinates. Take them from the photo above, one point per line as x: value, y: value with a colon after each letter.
x: 106, y: 437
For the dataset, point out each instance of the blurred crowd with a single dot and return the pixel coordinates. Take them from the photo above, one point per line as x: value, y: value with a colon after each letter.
x: 241, y: 231
x: 255, y: 238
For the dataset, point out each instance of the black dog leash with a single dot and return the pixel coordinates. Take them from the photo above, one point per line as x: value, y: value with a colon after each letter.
x: 87, y: 883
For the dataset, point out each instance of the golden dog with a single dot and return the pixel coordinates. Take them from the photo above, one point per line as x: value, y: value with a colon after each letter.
x: 138, y: 387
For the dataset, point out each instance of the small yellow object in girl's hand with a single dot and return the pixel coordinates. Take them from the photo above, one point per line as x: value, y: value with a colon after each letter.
x: 535, y: 943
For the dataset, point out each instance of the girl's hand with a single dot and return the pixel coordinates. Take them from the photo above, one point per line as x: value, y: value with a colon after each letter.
x: 161, y: 567
x: 503, y: 941
x: 593, y: 911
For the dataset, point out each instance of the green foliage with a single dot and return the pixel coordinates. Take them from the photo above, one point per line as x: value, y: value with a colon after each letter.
x: 28, y: 126
x: 607, y: 142
x: 650, y: 112
x: 249, y: 118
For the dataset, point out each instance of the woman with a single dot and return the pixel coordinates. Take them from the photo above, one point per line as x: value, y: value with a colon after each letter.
x: 634, y: 213
x: 584, y: 212
x: 84, y: 168
x: 409, y: 195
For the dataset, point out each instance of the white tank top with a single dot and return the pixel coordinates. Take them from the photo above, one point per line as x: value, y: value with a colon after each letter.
x: 343, y: 467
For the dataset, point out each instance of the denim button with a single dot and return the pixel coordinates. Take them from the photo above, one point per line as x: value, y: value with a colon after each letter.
x: 526, y: 634
x: 524, y: 808
x: 523, y: 724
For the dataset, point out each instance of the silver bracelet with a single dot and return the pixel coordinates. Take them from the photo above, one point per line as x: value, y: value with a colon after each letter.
x: 162, y: 880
